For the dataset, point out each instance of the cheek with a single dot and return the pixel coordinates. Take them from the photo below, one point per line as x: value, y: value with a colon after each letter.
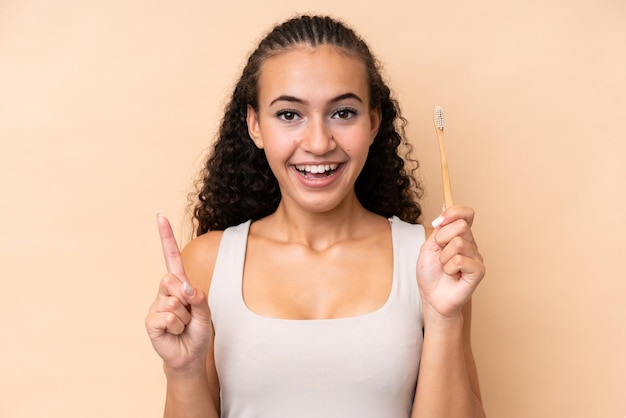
x: 273, y: 133
x: 278, y: 148
x: 361, y: 142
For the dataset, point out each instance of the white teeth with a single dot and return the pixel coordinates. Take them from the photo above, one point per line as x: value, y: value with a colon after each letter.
x: 316, y: 169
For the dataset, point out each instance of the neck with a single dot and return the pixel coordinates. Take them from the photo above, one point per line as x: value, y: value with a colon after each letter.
x: 319, y: 230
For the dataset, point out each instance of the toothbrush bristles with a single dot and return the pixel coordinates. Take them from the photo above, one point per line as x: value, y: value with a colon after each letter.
x: 439, y: 117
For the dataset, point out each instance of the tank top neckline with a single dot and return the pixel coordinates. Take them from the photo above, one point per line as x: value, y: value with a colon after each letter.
x: 347, y: 319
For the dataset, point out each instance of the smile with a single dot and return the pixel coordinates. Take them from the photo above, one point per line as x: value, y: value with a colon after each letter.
x: 323, y: 169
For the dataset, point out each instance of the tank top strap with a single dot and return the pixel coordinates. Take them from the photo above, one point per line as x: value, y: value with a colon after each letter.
x: 407, y: 241
x: 225, y: 295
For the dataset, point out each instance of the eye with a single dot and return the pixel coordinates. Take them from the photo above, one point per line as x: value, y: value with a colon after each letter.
x: 344, y: 113
x: 287, y: 115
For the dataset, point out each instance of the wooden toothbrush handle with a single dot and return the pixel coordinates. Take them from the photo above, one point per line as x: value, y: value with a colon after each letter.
x: 447, y: 188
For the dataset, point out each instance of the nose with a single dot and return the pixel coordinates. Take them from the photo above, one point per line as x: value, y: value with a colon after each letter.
x: 318, y: 138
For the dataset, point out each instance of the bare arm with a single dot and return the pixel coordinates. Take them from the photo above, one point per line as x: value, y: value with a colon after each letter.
x: 180, y: 328
x: 472, y: 370
x: 449, y: 269
x: 189, y: 396
x: 448, y: 380
x: 195, y: 394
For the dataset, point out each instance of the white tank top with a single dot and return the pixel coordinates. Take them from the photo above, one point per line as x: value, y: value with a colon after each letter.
x: 356, y: 367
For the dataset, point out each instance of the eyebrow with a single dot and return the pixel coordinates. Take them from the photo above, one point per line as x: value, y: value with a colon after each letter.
x: 294, y: 99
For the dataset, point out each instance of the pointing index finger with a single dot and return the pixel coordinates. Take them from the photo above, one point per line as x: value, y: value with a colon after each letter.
x: 171, y: 253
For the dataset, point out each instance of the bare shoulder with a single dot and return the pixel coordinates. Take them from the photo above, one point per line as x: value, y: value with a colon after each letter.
x: 199, y: 258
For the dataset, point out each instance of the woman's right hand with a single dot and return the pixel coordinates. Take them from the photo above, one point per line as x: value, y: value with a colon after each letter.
x: 179, y: 320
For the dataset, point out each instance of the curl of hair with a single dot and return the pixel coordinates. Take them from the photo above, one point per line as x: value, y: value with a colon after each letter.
x: 236, y: 183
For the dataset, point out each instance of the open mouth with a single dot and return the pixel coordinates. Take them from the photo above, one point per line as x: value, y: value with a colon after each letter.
x: 317, y: 170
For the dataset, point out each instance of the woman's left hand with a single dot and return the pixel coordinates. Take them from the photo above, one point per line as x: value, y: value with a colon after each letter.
x: 449, y: 266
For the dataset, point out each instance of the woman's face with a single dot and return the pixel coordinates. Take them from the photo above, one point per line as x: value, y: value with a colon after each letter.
x: 314, y: 123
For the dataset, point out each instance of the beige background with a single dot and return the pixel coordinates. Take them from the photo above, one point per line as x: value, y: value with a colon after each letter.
x: 106, y: 109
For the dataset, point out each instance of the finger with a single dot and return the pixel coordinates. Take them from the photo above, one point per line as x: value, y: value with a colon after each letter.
x: 171, y: 253
x: 470, y: 270
x: 193, y: 299
x: 171, y: 285
x: 171, y: 323
x: 461, y: 212
x: 459, y: 228
x: 454, y: 213
x: 199, y: 307
x: 451, y: 232
x: 174, y: 305
x: 459, y: 246
x: 160, y: 323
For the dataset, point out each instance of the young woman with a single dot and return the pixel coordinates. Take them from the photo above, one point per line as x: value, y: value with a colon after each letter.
x: 325, y: 297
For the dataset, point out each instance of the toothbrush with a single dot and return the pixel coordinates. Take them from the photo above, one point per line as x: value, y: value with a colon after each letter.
x: 447, y: 189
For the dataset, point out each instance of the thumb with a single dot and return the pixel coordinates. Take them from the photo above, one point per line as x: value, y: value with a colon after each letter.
x: 198, y: 303
x: 430, y: 246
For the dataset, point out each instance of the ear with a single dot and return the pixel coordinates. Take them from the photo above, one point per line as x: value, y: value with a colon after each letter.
x: 375, y: 120
x: 254, y: 130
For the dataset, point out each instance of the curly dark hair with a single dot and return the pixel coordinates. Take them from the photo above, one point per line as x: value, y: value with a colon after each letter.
x: 237, y: 184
